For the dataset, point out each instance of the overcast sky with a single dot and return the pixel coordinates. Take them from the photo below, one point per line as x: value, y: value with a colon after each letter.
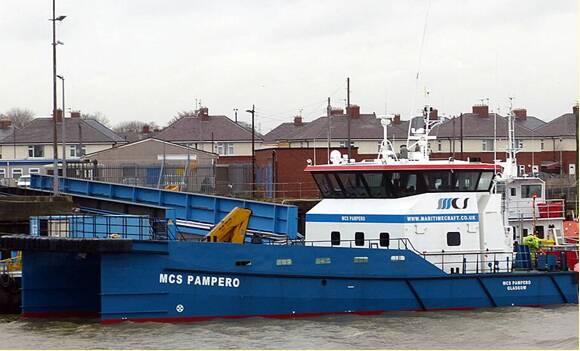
x: 148, y: 59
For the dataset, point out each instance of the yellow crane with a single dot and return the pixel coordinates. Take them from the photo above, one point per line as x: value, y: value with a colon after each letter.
x: 231, y: 229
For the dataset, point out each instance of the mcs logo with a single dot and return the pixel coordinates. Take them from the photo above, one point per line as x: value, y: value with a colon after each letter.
x: 446, y: 203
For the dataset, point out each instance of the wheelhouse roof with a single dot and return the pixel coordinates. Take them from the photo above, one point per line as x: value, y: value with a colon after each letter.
x: 403, y: 167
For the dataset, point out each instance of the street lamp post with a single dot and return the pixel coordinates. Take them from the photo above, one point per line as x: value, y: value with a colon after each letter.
x: 63, y: 130
x: 55, y: 187
x: 252, y: 111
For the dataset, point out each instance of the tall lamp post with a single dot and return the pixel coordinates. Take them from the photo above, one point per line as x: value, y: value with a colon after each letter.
x: 55, y: 187
x: 63, y: 130
x: 252, y: 111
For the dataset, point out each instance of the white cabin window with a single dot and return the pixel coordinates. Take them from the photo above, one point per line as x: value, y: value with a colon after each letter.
x: 2, y: 173
x: 33, y: 171
x: 528, y: 191
x: 541, y: 145
x: 453, y: 239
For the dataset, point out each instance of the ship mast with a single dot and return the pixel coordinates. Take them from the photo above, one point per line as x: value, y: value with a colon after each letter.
x: 421, y: 136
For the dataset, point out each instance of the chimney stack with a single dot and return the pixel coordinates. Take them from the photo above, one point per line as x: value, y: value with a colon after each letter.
x: 336, y: 111
x: 397, y: 119
x: 481, y: 110
x: 434, y: 114
x: 146, y: 129
x: 75, y: 114
x: 5, y: 123
x: 353, y: 111
x: 521, y: 113
x: 298, y: 121
x: 203, y: 113
x: 575, y: 110
x: 58, y: 115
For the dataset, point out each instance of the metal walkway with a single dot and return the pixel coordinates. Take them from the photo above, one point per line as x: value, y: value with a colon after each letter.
x: 184, y: 207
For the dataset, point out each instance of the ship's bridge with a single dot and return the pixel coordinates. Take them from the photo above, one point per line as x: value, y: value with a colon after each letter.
x: 375, y: 180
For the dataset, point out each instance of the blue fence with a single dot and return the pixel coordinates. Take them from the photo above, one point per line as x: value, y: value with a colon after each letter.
x: 266, y: 217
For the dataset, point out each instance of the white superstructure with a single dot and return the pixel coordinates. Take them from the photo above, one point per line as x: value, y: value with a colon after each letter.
x: 404, y: 198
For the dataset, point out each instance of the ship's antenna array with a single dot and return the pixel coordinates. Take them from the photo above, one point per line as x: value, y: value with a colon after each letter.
x: 419, y: 137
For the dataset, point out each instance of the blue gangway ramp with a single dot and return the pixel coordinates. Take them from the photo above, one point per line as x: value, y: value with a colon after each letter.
x: 266, y: 216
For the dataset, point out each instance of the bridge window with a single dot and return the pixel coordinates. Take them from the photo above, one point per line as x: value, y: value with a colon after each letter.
x: 453, y: 239
x: 485, y: 181
x: 397, y: 184
x: 359, y: 238
x: 335, y: 238
x: 384, y: 239
x: 244, y: 263
x: 466, y: 181
x: 322, y: 260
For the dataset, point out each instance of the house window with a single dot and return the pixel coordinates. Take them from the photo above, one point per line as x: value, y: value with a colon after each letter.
x: 487, y: 145
x: 16, y: 173
x: 359, y: 238
x: 35, y: 150
x: 335, y: 238
x: 384, y: 239
x: 33, y: 171
x: 2, y: 173
x: 528, y: 191
x: 76, y: 151
x: 322, y: 260
x: 453, y: 239
x: 512, y: 191
x: 224, y: 149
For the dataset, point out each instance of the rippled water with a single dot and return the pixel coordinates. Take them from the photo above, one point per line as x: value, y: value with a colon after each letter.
x: 500, y: 328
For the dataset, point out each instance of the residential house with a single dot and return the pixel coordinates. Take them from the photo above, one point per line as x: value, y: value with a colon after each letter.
x: 29, y: 149
x: 213, y: 133
x: 366, y: 132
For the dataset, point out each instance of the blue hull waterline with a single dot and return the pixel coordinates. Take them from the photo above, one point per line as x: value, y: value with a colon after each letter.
x: 175, y: 281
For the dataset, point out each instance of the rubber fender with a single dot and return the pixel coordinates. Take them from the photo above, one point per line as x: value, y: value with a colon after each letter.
x: 5, y: 280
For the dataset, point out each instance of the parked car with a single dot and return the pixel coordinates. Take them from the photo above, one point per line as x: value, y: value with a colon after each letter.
x: 24, y: 181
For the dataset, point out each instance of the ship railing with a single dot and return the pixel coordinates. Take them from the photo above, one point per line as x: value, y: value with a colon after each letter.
x: 466, y: 262
x: 542, y: 209
x: 101, y: 226
x: 392, y: 243
x: 477, y: 262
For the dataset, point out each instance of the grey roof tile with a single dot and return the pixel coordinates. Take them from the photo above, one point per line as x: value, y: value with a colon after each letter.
x: 39, y: 131
x: 195, y: 128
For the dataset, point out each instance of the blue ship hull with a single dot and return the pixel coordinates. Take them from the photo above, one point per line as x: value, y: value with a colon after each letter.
x: 175, y: 281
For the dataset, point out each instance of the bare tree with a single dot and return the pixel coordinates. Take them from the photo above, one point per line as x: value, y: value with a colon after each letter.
x: 130, y: 127
x: 181, y: 114
x: 19, y: 116
x: 98, y: 116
